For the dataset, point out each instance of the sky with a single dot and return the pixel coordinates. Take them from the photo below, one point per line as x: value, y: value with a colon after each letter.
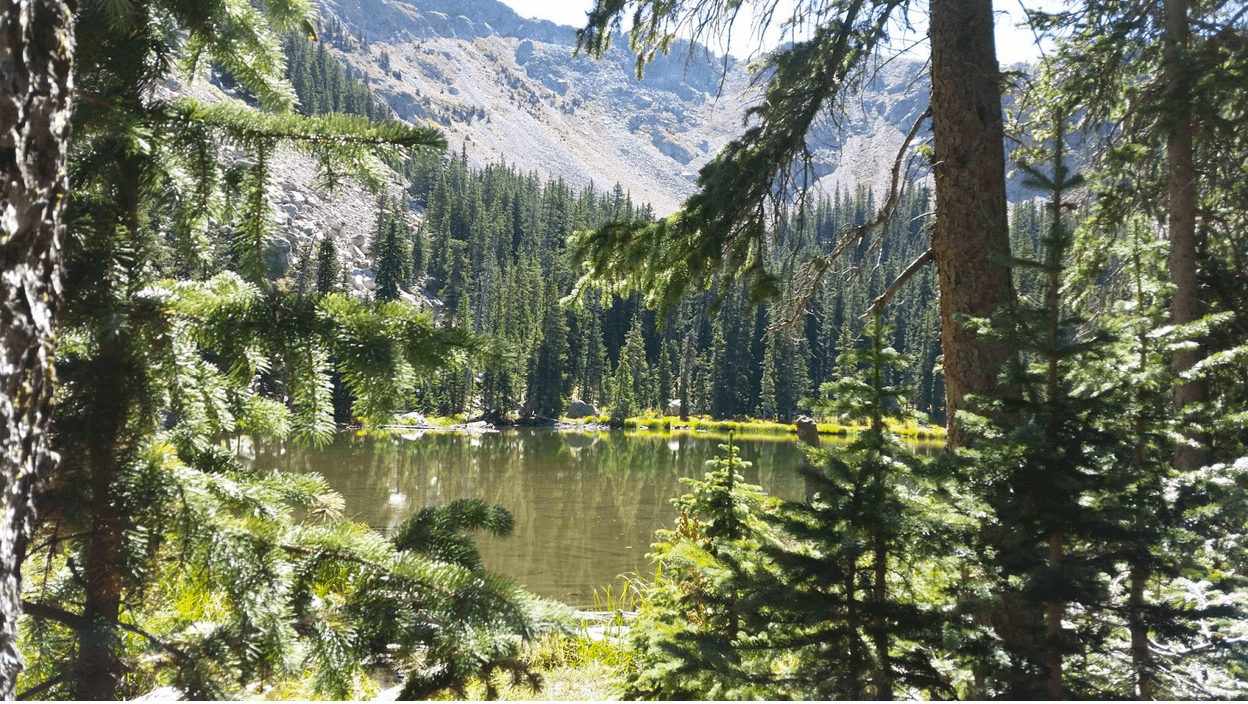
x: 1014, y: 44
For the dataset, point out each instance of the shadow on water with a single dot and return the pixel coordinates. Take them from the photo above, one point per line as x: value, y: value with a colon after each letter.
x: 586, y: 505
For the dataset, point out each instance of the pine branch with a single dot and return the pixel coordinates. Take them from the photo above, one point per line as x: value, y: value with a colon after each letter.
x: 42, y: 687
x: 332, y: 129
x: 44, y: 611
x: 371, y: 564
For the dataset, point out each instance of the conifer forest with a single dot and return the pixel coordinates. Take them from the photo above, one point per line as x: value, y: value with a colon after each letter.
x: 1082, y: 351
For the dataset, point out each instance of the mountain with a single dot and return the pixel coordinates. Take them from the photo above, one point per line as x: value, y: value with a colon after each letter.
x: 506, y: 89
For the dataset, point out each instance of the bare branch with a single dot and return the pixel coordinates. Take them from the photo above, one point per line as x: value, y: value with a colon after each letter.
x: 42, y: 687
x: 911, y: 270
x: 806, y: 281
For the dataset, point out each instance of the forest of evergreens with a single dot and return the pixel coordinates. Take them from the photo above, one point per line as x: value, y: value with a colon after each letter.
x: 1084, y: 536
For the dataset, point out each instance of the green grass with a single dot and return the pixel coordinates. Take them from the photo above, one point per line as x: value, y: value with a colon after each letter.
x: 753, y: 428
x: 584, y: 666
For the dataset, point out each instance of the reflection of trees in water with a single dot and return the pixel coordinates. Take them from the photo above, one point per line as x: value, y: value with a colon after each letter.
x: 586, y: 505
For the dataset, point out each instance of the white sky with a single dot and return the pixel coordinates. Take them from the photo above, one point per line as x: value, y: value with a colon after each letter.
x: 1013, y: 44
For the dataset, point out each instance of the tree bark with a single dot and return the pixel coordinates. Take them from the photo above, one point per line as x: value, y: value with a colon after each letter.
x: 36, y: 51
x: 1185, y: 306
x: 971, y: 245
x: 971, y: 238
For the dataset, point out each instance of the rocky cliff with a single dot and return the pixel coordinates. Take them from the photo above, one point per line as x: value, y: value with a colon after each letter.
x: 512, y: 90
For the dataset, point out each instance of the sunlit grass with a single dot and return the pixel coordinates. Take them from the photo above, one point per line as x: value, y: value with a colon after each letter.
x: 583, y: 666
x: 754, y: 429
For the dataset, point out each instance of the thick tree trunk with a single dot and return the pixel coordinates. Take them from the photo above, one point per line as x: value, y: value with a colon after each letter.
x: 1185, y: 307
x: 36, y: 50
x: 971, y: 237
x: 971, y: 243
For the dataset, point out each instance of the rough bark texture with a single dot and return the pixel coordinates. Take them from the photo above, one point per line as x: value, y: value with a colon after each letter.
x: 1181, y: 187
x: 970, y: 243
x: 971, y: 237
x: 36, y: 47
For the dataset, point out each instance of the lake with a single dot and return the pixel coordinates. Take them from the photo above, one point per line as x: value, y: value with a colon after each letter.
x: 586, y: 504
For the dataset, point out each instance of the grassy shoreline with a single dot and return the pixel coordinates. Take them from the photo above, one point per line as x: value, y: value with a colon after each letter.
x: 742, y: 429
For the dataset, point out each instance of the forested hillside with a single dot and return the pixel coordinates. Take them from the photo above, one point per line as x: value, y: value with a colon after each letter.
x: 493, y: 247
x: 490, y: 248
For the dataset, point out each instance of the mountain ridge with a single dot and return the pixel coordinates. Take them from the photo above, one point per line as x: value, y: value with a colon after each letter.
x: 510, y: 90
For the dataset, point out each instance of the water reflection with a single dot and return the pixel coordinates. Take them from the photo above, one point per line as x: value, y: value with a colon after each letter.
x: 586, y: 505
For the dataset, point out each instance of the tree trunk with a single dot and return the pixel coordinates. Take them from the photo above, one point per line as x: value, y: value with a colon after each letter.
x: 971, y: 243
x: 36, y: 51
x: 99, y: 668
x: 971, y: 238
x: 1185, y: 305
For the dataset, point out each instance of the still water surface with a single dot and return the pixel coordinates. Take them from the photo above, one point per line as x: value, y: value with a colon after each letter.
x: 586, y: 505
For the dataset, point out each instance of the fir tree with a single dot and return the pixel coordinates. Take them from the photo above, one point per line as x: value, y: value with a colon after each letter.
x: 148, y: 504
x: 392, y: 262
x: 762, y: 599
x: 326, y: 265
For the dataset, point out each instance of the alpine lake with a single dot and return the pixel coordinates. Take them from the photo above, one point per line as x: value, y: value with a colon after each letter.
x: 586, y: 504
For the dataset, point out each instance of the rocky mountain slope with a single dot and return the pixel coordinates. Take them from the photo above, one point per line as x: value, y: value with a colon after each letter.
x: 511, y: 90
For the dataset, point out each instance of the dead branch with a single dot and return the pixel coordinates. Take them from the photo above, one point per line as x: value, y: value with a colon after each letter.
x: 887, y: 296
x: 807, y: 280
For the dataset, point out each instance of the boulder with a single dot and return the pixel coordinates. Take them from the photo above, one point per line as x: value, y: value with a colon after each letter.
x: 580, y: 409
x: 673, y: 407
x: 413, y: 418
x: 276, y: 255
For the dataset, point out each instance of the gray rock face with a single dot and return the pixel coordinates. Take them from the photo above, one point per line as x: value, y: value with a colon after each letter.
x: 592, y: 121
x: 580, y: 409
x: 277, y: 255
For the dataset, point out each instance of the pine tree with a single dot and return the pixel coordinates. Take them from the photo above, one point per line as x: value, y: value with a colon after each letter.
x: 757, y: 598
x: 35, y: 96
x: 393, y: 266
x: 1075, y: 502
x: 634, y: 351
x: 326, y: 265
x: 148, y: 504
x: 548, y: 378
x: 721, y: 233
x: 623, y: 402
x: 700, y: 607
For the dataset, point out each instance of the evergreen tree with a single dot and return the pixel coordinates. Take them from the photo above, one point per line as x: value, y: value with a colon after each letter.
x: 1074, y: 488
x: 634, y: 352
x: 764, y: 599
x: 623, y: 402
x: 393, y: 267
x: 548, y: 377
x: 148, y: 504
x: 721, y: 232
x: 327, y: 269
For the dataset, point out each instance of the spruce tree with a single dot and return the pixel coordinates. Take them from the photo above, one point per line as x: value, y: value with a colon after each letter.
x: 548, y: 375
x: 326, y: 265
x: 36, y: 89
x: 623, y: 402
x: 149, y: 504
x: 393, y: 267
x: 1075, y: 497
x: 839, y: 598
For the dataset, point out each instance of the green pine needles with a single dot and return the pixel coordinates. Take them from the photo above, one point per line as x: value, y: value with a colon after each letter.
x: 845, y: 597
x: 160, y: 558
x: 1094, y: 580
x: 1059, y: 554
